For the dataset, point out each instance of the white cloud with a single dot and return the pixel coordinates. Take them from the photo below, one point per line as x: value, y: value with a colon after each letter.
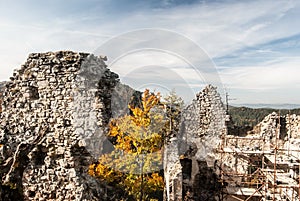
x: 221, y: 29
x: 276, y: 82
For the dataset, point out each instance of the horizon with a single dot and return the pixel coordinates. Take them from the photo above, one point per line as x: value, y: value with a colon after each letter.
x: 253, y: 45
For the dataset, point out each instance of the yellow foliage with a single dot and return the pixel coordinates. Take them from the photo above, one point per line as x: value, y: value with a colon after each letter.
x: 138, y: 143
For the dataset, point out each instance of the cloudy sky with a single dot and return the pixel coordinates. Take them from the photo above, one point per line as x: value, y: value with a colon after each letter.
x: 253, y: 44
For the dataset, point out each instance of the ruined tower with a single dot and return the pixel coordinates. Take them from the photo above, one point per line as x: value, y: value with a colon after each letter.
x: 189, y: 156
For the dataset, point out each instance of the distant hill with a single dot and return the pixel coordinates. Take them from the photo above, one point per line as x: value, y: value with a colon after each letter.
x: 244, y: 118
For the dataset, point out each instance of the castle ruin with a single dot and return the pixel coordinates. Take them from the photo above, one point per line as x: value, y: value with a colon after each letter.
x: 53, y: 120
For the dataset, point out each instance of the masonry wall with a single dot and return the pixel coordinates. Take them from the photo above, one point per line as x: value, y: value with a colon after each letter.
x: 190, y: 171
x: 55, y: 111
x: 2, y: 86
x: 293, y: 125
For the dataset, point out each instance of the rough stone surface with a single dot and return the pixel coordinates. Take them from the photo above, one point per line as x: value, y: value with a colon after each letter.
x: 55, y: 111
x: 293, y: 126
x: 190, y: 171
x: 2, y: 87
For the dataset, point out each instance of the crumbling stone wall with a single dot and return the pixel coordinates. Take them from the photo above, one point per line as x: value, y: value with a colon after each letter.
x: 268, y: 126
x: 293, y: 126
x: 202, y: 124
x: 261, y: 138
x: 54, y: 108
x: 271, y: 127
x: 203, y: 121
x: 2, y: 86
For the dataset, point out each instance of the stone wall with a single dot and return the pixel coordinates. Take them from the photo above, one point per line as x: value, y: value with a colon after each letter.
x: 190, y: 173
x: 293, y: 125
x: 55, y: 111
x: 2, y: 86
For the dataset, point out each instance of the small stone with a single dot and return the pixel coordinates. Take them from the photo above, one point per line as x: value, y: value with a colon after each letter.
x: 42, y: 84
x: 60, y: 150
x: 81, y: 143
x: 50, y: 171
x: 72, y: 172
x: 70, y: 186
x: 52, y: 79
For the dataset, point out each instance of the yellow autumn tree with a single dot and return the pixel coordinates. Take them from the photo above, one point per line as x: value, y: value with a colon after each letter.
x: 135, y: 163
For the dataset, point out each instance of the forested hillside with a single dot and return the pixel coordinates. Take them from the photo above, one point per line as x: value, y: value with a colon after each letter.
x: 244, y: 119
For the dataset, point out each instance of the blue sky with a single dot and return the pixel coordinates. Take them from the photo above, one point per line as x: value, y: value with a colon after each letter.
x: 253, y: 44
